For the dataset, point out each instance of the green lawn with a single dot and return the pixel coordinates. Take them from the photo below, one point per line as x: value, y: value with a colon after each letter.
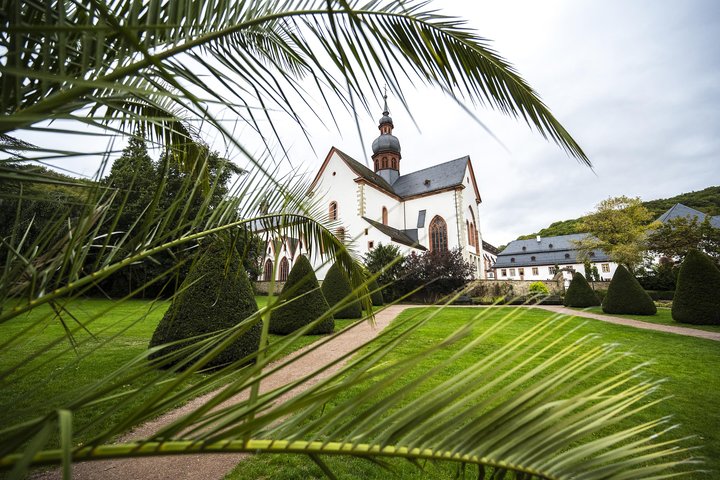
x: 663, y: 317
x: 689, y: 365
x: 50, y: 381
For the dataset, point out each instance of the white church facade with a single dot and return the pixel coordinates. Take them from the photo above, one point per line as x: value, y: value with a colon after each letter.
x: 434, y: 209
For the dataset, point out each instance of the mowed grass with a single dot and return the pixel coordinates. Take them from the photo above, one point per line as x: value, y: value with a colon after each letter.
x: 662, y: 317
x: 689, y: 365
x: 121, y: 331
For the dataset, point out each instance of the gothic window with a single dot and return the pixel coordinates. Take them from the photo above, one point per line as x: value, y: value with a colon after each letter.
x: 467, y: 226
x: 394, y: 163
x: 284, y: 269
x: 438, y: 235
x: 384, y: 216
x: 333, y: 211
x: 267, y: 271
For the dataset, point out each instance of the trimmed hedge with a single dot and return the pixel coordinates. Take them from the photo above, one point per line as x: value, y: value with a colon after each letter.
x: 376, y: 296
x: 697, y: 297
x: 216, y: 295
x: 305, y: 303
x: 626, y: 296
x: 579, y: 293
x: 336, y: 287
x: 661, y: 294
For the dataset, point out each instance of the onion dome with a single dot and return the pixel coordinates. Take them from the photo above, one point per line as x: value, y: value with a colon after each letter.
x: 386, y: 142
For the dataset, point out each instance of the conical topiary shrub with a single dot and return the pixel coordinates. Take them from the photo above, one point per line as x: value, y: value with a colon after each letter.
x: 626, y: 296
x: 336, y: 288
x: 306, y: 303
x: 215, y: 295
x: 580, y: 294
x: 697, y: 294
x: 376, y: 295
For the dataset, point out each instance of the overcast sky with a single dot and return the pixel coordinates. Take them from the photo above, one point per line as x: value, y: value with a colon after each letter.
x: 636, y: 82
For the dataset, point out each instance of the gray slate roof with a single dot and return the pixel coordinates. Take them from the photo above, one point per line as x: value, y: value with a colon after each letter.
x: 559, y: 250
x: 679, y: 210
x: 405, y: 237
x: 438, y: 177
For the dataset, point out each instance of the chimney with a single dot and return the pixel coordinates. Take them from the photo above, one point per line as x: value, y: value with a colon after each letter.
x: 538, y: 238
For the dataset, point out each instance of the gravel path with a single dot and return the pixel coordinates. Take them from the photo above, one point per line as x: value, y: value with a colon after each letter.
x: 688, y: 332
x: 209, y: 466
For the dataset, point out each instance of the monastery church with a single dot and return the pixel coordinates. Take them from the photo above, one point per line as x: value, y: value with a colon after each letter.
x: 433, y: 209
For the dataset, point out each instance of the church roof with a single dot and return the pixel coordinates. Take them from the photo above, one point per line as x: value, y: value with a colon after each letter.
x: 365, y: 172
x: 556, y: 250
x: 438, y: 177
x: 399, y: 236
x: 679, y: 210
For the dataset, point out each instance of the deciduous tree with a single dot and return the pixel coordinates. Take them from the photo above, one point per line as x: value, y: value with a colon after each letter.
x: 619, y: 227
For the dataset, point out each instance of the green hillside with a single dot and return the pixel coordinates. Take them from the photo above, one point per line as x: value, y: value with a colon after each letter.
x: 706, y: 201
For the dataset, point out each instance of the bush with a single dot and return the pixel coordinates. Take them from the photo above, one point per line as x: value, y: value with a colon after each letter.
x: 697, y: 298
x: 580, y: 294
x: 304, y: 303
x: 658, y: 295
x: 388, y: 261
x: 626, y: 296
x: 336, y: 289
x: 437, y: 274
x: 376, y: 295
x: 538, y: 288
x: 216, y: 295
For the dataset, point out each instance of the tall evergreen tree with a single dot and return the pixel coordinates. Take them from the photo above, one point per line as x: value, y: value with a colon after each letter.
x: 134, y: 176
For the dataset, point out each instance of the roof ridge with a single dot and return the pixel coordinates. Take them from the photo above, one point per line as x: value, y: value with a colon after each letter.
x: 435, y: 166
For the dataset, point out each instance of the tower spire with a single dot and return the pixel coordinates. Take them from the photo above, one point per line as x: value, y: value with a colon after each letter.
x: 385, y: 107
x: 386, y: 148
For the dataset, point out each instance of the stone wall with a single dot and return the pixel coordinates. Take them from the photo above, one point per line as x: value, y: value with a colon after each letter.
x: 261, y: 288
x: 494, y: 288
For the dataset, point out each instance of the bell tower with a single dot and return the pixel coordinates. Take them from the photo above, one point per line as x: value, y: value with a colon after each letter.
x: 386, y: 148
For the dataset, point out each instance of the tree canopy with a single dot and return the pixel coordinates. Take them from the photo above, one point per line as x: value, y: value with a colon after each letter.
x: 677, y: 236
x: 619, y: 227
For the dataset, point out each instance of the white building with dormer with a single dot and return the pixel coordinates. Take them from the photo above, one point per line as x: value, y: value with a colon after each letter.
x: 434, y: 209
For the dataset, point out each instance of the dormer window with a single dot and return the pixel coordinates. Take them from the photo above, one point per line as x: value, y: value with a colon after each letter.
x: 567, y: 255
x: 550, y: 246
x: 524, y: 248
x: 512, y: 260
x: 532, y: 258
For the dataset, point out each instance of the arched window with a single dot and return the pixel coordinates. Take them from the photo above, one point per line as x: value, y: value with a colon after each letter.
x: 284, y: 269
x: 467, y: 226
x: 473, y: 231
x: 438, y: 235
x: 384, y: 216
x: 340, y: 234
x: 333, y: 211
x: 267, y: 271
